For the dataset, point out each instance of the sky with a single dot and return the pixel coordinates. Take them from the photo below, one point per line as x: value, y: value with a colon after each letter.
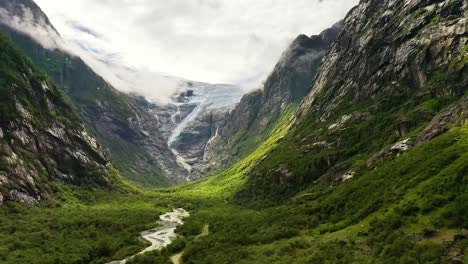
x: 215, y: 41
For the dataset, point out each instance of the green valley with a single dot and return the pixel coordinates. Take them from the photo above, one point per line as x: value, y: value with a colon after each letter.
x: 374, y: 219
x: 355, y: 150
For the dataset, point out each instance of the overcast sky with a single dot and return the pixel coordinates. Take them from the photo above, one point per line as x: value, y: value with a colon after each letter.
x: 218, y: 41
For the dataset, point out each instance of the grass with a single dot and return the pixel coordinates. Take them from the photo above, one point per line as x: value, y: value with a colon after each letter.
x: 81, y: 232
x: 396, y: 213
x: 387, y: 215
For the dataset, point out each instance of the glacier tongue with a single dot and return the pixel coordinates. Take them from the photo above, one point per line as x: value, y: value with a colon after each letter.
x: 204, y: 97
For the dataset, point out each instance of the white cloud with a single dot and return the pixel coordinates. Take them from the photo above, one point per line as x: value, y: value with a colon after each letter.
x: 224, y: 41
x: 37, y: 28
x: 155, y: 87
x: 134, y: 44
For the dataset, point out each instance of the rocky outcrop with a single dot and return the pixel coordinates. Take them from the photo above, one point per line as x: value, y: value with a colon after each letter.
x: 197, y: 137
x: 390, y: 151
x: 129, y: 133
x: 454, y: 116
x: 41, y: 137
x: 390, y: 46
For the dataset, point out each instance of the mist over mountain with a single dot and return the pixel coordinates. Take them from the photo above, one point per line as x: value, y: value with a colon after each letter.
x: 211, y: 41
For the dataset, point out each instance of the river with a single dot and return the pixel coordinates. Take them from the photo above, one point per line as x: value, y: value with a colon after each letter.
x: 162, y: 235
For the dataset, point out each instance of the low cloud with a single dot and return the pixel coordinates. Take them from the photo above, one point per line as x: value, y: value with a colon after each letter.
x: 33, y: 26
x: 217, y: 41
x: 155, y: 87
x: 135, y: 44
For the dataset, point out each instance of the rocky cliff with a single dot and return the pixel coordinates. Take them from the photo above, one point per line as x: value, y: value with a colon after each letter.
x: 42, y: 138
x: 130, y: 134
x: 395, y: 66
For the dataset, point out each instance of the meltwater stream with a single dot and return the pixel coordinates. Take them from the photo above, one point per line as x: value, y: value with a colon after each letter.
x: 205, y: 96
x: 162, y: 235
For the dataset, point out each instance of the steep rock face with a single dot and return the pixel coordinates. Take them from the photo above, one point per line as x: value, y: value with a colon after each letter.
x: 118, y: 121
x: 393, y: 45
x: 394, y: 67
x: 259, y: 111
x: 41, y: 137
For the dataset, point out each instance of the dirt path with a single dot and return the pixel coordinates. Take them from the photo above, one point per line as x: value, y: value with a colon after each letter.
x: 176, y: 258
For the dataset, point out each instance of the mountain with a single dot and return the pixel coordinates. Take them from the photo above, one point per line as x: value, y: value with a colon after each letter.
x: 395, y: 66
x: 42, y: 138
x: 243, y: 128
x: 118, y: 122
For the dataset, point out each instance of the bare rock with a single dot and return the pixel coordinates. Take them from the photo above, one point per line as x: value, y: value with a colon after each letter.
x: 348, y: 176
x: 391, y: 151
x: 454, y: 116
x: 21, y: 197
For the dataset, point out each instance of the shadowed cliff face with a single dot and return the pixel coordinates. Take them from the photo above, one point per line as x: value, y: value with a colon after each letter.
x: 119, y: 122
x: 394, y: 67
x: 41, y: 136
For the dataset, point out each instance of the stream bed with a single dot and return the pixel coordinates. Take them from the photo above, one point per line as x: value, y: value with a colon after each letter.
x: 162, y: 235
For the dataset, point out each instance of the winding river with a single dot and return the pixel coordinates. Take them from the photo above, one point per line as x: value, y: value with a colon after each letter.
x: 162, y: 235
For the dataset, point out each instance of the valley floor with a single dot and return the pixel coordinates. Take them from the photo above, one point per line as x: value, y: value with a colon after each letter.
x: 381, y: 216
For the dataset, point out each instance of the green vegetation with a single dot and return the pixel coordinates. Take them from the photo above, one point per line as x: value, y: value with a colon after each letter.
x: 95, y: 228
x: 353, y: 131
x: 287, y: 201
x: 134, y: 163
x: 387, y: 215
x: 407, y: 210
x: 36, y: 92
